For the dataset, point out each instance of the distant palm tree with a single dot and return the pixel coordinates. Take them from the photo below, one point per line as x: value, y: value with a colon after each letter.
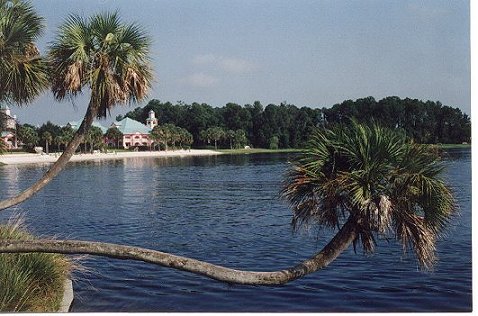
x: 3, y: 146
x: 48, y: 138
x: 94, y: 137
x: 113, y: 133
x: 23, y: 72
x: 163, y: 134
x: 104, y: 56
x: 377, y: 182
x: 66, y: 135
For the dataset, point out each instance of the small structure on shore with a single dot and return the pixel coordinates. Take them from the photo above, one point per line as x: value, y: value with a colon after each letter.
x: 151, y: 121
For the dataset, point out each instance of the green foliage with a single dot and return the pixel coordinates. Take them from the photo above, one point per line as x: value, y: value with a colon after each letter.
x: 240, y: 138
x: 47, y: 137
x: 23, y: 72
x: 386, y: 182
x: 104, y: 55
x: 114, y: 134
x: 425, y: 122
x: 274, y: 142
x: 169, y: 134
x: 95, y: 138
x: 28, y: 135
x: 30, y: 282
x: 3, y: 147
x: 215, y: 134
x: 66, y: 135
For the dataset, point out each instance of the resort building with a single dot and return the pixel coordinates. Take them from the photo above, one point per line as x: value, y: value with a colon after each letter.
x: 8, y: 130
x: 134, y: 133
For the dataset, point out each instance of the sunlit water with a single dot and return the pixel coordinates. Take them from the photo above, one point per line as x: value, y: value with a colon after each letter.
x: 226, y: 210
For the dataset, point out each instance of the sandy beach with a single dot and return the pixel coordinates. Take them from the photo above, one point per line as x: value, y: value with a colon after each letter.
x: 13, y: 159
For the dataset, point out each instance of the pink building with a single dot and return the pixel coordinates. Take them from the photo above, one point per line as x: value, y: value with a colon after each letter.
x: 134, y: 133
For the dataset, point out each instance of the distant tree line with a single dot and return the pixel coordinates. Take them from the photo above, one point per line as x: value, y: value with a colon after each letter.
x: 53, y: 137
x: 272, y: 126
x: 287, y: 126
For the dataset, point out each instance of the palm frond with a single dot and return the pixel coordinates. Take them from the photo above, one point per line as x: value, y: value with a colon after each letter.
x: 23, y: 72
x: 389, y: 184
x: 104, y: 55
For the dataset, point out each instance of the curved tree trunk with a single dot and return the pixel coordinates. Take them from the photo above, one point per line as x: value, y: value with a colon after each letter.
x: 330, y: 252
x: 90, y: 115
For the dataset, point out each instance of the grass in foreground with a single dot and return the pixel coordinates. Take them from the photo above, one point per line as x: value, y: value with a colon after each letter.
x: 258, y: 151
x: 30, y: 282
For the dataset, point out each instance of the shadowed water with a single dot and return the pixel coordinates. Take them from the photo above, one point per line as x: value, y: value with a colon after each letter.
x: 226, y: 210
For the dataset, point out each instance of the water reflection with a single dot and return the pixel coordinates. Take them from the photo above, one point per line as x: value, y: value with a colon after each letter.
x: 10, y: 178
x: 457, y: 154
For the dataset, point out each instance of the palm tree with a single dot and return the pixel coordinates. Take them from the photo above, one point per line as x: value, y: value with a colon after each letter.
x: 163, y: 134
x: 47, y: 137
x: 113, y: 133
x: 66, y: 135
x: 23, y: 72
x: 363, y: 181
x: 216, y: 133
x: 376, y: 180
x: 230, y: 134
x: 104, y: 56
x: 185, y: 137
x: 94, y: 137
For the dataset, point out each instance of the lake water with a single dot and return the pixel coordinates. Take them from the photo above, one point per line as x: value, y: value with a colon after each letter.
x: 226, y: 210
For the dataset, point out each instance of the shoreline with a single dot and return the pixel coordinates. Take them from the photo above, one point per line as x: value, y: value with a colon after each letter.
x: 16, y: 159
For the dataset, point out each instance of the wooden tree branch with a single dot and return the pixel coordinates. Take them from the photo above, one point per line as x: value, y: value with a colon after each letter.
x: 55, y: 169
x: 337, y: 245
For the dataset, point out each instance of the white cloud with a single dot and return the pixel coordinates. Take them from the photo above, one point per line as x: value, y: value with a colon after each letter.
x: 235, y: 65
x: 225, y: 64
x: 204, y: 59
x: 201, y: 80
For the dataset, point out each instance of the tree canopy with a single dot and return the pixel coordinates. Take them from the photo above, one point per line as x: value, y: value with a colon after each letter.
x: 288, y: 126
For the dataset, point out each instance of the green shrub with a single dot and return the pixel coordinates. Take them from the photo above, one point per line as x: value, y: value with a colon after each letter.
x: 30, y: 282
x: 274, y: 142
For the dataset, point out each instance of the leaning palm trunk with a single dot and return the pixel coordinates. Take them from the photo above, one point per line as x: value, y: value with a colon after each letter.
x: 329, y: 253
x: 55, y: 169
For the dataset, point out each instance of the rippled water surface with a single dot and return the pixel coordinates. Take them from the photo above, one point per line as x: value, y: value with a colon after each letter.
x: 226, y: 210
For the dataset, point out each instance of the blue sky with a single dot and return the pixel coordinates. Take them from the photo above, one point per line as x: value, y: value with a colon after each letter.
x: 308, y: 53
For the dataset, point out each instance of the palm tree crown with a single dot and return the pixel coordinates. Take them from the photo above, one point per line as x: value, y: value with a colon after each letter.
x: 384, y: 182
x: 102, y: 54
x: 23, y: 72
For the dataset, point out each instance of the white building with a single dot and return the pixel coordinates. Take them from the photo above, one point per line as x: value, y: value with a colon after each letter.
x: 152, y: 121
